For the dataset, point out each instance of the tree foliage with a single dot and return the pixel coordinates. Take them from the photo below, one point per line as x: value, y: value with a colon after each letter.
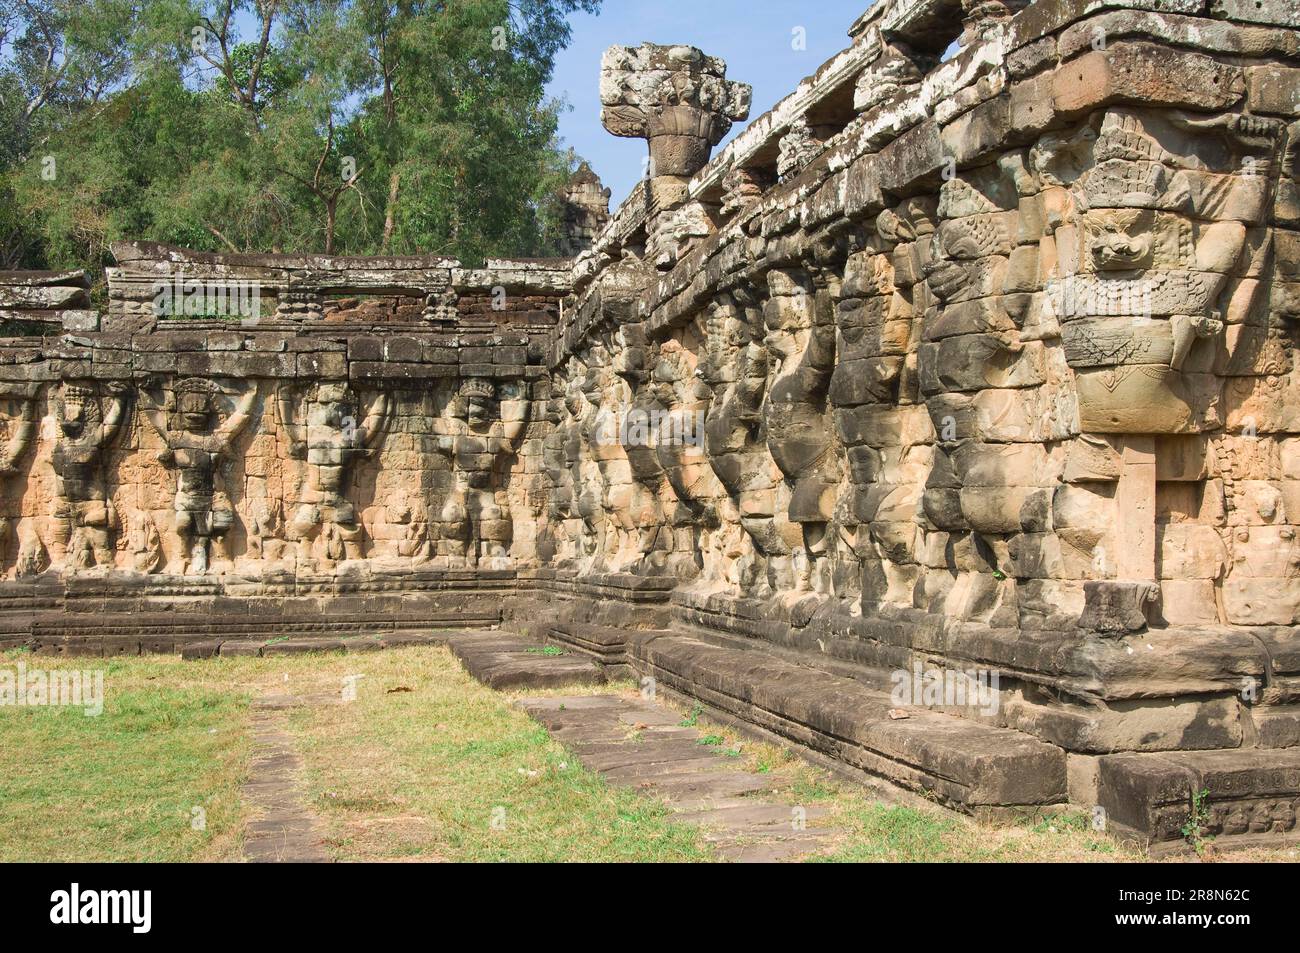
x: 342, y: 126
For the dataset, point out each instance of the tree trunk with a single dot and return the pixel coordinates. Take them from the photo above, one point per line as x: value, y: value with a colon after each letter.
x: 390, y: 215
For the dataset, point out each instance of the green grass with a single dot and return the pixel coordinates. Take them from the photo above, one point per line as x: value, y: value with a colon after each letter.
x: 442, y: 769
x: 123, y: 785
x: 451, y: 771
x: 692, y: 719
x: 891, y: 833
x: 445, y: 771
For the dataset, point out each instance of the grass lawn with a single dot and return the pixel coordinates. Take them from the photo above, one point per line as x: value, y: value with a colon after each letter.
x: 425, y: 765
x: 124, y: 785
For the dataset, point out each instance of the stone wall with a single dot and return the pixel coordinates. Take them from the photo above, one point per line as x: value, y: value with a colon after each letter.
x: 33, y: 302
x: 991, y: 366
x: 980, y: 361
x: 1005, y: 339
x: 335, y: 414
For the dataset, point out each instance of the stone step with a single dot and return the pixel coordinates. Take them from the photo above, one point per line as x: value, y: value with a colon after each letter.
x: 504, y: 661
x: 965, y: 764
x: 745, y: 851
x: 694, y: 785
x: 100, y: 636
x: 269, y: 648
x: 750, y: 816
x: 605, y: 643
x: 1242, y: 798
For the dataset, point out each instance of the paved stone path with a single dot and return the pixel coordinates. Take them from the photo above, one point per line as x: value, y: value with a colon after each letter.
x: 643, y: 745
x: 632, y: 743
x: 286, y: 830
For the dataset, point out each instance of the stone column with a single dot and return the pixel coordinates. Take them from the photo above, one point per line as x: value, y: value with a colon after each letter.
x: 681, y: 102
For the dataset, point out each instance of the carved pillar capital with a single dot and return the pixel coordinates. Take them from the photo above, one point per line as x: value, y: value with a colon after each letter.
x: 677, y: 99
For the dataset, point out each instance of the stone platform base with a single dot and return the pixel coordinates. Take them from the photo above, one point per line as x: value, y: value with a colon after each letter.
x: 1130, y: 729
x: 272, y: 648
x: 1034, y: 754
x: 961, y: 763
x: 130, y: 615
x: 504, y: 661
x: 1241, y: 799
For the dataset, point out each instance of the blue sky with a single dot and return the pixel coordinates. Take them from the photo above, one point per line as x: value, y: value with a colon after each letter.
x: 755, y: 37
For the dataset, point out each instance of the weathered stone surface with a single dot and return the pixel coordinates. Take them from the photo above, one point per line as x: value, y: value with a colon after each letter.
x: 642, y: 745
x: 503, y: 661
x: 1114, y: 608
x: 282, y: 829
x: 986, y: 359
x: 1148, y: 74
x: 960, y: 761
x: 1248, y: 796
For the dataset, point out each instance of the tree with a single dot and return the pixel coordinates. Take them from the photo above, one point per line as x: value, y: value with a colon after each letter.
x: 59, y: 59
x: 355, y: 126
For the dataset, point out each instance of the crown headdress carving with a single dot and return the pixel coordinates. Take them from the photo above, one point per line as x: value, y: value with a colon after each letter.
x: 1124, y: 183
x: 478, y: 387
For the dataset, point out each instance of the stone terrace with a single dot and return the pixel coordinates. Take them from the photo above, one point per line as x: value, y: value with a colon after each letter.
x: 945, y: 424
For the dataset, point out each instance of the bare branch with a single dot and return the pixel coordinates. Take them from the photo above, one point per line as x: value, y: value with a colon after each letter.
x: 212, y: 230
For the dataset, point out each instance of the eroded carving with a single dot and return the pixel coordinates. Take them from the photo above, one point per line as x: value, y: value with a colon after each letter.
x: 480, y: 431
x: 195, y: 443
x: 84, y: 519
x: 327, y: 430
